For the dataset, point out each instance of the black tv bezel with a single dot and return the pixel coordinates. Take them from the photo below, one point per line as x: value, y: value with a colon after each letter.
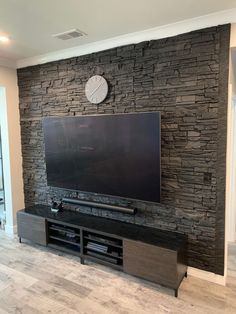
x: 97, y: 194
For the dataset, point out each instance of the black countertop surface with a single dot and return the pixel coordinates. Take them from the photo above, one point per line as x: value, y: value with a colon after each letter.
x: 166, y: 239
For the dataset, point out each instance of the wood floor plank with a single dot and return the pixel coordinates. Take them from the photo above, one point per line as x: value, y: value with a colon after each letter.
x: 12, y: 305
x: 10, y: 275
x: 83, y: 305
x: 3, y: 312
x: 26, y: 301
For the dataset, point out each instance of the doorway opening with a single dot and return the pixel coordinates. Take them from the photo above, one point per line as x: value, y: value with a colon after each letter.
x: 2, y: 195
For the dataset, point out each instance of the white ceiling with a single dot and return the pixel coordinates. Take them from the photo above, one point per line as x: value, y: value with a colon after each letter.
x: 31, y: 23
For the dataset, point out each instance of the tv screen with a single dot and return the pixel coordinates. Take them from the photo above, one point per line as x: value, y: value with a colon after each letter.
x: 116, y: 155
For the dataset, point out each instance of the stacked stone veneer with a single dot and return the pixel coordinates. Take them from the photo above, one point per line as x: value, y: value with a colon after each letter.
x: 183, y: 77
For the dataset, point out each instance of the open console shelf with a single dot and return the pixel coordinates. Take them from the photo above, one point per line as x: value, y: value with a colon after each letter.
x: 102, y: 247
x: 149, y: 253
x: 63, y: 238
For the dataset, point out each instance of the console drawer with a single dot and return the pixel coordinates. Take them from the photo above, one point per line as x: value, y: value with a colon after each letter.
x: 32, y: 228
x: 150, y: 262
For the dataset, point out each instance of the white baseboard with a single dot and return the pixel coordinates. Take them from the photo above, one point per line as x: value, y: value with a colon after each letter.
x: 206, y: 275
x: 11, y: 230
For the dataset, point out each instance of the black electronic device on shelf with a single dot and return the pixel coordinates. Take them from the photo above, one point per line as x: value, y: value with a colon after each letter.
x: 63, y: 236
x: 56, y: 207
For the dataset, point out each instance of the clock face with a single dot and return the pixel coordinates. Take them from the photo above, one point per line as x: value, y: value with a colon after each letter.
x: 96, y: 89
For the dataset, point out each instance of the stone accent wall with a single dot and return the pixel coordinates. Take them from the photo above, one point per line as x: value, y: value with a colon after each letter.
x: 185, y: 78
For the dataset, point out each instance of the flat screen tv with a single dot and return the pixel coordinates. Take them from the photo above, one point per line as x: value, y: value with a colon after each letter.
x: 116, y: 155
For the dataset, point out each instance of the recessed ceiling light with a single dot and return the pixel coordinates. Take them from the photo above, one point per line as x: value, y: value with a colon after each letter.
x: 4, y: 39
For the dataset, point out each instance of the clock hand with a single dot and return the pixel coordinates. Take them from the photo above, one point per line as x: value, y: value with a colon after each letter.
x: 96, y: 88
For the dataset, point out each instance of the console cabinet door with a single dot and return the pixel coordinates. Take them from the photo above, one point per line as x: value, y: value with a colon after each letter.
x: 32, y: 228
x: 150, y: 262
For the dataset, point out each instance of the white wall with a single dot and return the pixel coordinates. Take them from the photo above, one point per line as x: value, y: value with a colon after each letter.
x: 232, y: 69
x: 11, y: 146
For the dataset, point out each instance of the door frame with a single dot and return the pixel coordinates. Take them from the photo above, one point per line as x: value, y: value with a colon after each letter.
x: 6, y: 158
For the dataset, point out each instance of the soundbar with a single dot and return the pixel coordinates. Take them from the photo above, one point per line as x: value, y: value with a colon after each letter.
x: 76, y: 201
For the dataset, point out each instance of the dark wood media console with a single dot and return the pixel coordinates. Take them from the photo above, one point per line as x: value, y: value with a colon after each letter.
x: 149, y: 253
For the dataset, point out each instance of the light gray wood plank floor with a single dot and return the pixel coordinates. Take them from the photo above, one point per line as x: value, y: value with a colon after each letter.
x: 34, y: 279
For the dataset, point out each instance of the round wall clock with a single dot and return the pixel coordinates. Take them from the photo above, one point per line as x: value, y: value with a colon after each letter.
x: 96, y: 89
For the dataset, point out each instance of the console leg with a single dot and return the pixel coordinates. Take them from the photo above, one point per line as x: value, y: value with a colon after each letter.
x: 186, y: 275
x: 176, y: 293
x: 82, y: 260
x: 19, y: 239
